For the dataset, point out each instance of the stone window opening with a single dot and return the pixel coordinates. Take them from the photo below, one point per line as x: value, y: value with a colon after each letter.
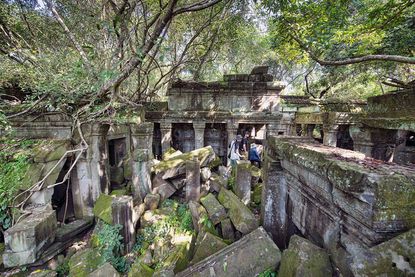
x: 183, y: 137
x: 344, y: 140
x: 410, y: 139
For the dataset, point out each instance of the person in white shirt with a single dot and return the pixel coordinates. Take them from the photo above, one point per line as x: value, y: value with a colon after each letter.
x: 234, y: 154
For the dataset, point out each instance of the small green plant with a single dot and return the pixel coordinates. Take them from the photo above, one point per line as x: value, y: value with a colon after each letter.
x: 110, y: 246
x: 14, y: 162
x: 231, y: 182
x: 268, y: 273
x: 63, y: 269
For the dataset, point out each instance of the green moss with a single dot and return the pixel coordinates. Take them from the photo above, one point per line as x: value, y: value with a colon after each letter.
x: 84, y: 262
x: 140, y: 269
x: 203, y: 154
x: 303, y: 258
x: 102, y: 208
x: 206, y: 245
x: 396, y: 199
x: 257, y: 194
x: 119, y: 192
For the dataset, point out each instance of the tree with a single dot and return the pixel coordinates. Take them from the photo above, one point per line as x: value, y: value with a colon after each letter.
x: 361, y: 40
x: 82, y: 54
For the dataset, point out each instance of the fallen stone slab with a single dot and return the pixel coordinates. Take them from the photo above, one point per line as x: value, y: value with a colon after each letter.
x: 243, y: 181
x: 242, y: 218
x: 162, y: 187
x: 206, y: 245
x: 192, y: 180
x: 214, y: 209
x: 102, y: 208
x: 171, y: 153
x: 395, y: 257
x: 105, y: 270
x: 249, y: 256
x: 67, y: 231
x: 25, y: 241
x: 303, y: 258
x: 152, y: 201
x: 177, y: 165
x: 84, y: 262
x: 32, y: 232
x: 217, y: 182
x: 227, y: 230
x: 140, y: 269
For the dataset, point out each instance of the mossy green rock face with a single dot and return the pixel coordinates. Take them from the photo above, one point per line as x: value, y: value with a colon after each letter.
x: 140, y: 269
x: 215, y: 210
x: 256, y: 196
x: 119, y: 192
x: 102, y: 208
x: 206, y: 245
x: 302, y: 258
x: 53, y: 150
x: 171, y: 153
x: 85, y: 262
x: 395, y: 257
x: 242, y: 218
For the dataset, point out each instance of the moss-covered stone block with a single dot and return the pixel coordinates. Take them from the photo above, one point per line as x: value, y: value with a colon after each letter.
x: 214, y: 209
x: 140, y: 269
x: 206, y: 245
x: 302, y: 258
x: 51, y: 150
x: 257, y: 194
x: 242, y: 218
x: 102, y: 208
x: 119, y: 192
x: 395, y: 257
x: 82, y: 263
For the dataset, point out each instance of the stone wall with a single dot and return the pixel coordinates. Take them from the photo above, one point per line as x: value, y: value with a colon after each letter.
x: 334, y: 197
x: 49, y: 126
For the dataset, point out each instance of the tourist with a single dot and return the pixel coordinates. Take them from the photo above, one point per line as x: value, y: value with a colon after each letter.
x: 254, y: 156
x: 234, y: 154
x: 243, y: 147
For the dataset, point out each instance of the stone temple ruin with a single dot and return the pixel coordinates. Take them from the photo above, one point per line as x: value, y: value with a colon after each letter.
x: 335, y: 195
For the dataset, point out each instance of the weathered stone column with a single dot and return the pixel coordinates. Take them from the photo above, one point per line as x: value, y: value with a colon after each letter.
x: 193, y: 180
x: 330, y: 135
x: 141, y: 149
x: 165, y: 129
x: 91, y: 169
x: 199, y: 128
x: 142, y: 137
x: 122, y: 214
x: 243, y: 181
x: 273, y: 205
x: 141, y: 175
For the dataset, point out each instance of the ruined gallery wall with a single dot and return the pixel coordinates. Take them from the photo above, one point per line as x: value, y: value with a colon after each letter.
x: 334, y: 197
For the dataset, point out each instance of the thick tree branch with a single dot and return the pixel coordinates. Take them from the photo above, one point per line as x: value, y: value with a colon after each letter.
x: 367, y: 58
x: 70, y: 35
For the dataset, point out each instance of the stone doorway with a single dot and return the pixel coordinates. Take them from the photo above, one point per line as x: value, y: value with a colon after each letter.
x: 157, y: 150
x: 62, y: 200
x: 216, y: 136
x: 183, y: 137
x: 117, y: 150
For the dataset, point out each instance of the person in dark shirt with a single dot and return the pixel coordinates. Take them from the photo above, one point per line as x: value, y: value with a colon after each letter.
x: 243, y: 146
x: 254, y: 156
